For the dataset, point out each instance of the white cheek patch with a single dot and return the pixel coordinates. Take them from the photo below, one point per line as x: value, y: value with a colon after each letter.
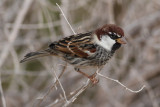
x: 106, y: 42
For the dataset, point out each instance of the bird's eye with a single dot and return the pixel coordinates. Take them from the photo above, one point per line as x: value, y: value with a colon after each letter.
x: 114, y: 35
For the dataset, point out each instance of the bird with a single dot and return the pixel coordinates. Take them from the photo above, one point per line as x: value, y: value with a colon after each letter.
x: 90, y: 49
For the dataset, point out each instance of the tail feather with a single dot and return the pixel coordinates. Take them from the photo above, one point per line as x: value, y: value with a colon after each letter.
x: 34, y: 55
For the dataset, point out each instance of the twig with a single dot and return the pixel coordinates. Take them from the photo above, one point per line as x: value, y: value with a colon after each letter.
x: 1, y: 94
x: 86, y: 83
x: 19, y: 19
x: 117, y: 81
x: 54, y: 85
x: 57, y: 79
x: 82, y: 89
x: 148, y: 88
x: 15, y: 31
x: 66, y: 19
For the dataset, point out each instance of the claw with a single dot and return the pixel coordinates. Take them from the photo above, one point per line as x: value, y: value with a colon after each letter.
x: 93, y: 79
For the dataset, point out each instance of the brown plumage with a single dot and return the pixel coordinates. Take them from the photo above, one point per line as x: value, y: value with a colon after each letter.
x: 85, y: 49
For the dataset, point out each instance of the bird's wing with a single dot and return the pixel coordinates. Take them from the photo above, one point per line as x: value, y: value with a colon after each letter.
x: 79, y: 45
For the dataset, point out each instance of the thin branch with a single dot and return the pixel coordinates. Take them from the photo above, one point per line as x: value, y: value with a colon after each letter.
x: 1, y: 94
x: 57, y: 79
x: 86, y: 83
x: 82, y: 89
x: 117, y: 81
x: 53, y: 86
x: 19, y: 19
x: 151, y: 93
x: 66, y: 18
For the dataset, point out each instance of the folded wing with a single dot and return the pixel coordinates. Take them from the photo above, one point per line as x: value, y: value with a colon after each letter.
x: 79, y: 45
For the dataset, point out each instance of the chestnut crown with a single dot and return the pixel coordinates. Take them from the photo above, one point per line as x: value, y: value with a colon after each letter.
x: 111, y: 30
x: 109, y: 37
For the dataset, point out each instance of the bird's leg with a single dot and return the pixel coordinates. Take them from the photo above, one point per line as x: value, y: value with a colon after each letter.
x: 91, y: 77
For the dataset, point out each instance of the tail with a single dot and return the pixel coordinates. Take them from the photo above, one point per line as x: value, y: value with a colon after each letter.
x: 34, y: 55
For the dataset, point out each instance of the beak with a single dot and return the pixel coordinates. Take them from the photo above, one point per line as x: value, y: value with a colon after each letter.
x: 122, y: 40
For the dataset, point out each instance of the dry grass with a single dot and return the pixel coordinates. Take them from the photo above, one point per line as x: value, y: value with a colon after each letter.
x: 28, y: 25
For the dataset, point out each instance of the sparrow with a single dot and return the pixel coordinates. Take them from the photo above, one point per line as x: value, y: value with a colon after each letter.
x: 92, y: 49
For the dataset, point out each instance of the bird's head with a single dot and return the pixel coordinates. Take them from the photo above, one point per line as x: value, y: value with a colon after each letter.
x: 109, y: 37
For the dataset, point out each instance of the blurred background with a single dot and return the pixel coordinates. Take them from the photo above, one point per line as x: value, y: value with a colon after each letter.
x: 29, y: 25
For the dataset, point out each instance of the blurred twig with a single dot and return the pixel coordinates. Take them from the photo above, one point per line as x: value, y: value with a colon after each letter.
x: 82, y: 89
x: 14, y: 33
x: 117, y: 81
x: 2, y: 95
x: 66, y: 19
x: 52, y: 87
x: 57, y: 79
x: 12, y: 37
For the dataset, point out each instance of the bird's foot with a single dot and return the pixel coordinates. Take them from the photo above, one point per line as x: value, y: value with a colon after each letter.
x: 93, y: 79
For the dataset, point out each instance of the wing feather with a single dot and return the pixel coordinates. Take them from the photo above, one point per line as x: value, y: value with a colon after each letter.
x: 79, y: 45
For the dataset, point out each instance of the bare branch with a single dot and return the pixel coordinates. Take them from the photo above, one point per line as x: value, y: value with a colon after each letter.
x: 82, y: 89
x: 133, y: 91
x: 57, y: 79
x: 1, y: 94
x: 15, y: 31
x: 52, y: 87
x: 12, y: 37
x: 66, y: 18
